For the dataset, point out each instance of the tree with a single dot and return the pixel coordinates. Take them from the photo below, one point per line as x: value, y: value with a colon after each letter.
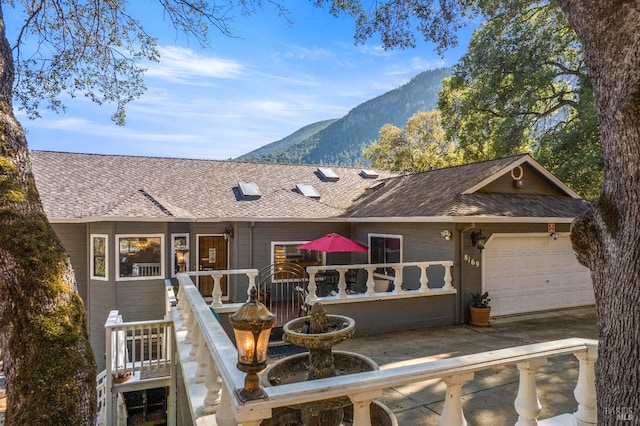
x: 418, y: 147
x: 522, y: 86
x: 607, y: 237
x: 84, y: 47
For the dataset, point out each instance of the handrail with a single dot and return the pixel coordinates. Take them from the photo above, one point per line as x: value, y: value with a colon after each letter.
x: 219, y: 360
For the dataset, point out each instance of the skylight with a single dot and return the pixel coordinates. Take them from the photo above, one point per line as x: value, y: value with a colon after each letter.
x: 369, y: 173
x: 249, y: 190
x: 307, y: 190
x: 328, y: 174
x: 376, y: 185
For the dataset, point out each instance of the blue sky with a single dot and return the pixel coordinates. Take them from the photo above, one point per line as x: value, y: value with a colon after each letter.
x: 240, y: 93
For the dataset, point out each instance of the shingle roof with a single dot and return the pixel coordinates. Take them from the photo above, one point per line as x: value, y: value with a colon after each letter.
x: 111, y: 187
x: 90, y: 186
x: 440, y: 193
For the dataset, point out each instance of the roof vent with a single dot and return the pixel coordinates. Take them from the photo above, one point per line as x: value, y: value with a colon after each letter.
x: 249, y: 190
x: 328, y: 174
x: 369, y: 173
x: 307, y: 190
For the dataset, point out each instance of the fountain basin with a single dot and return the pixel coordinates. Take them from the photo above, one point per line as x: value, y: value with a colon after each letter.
x: 339, y: 328
x: 294, y: 368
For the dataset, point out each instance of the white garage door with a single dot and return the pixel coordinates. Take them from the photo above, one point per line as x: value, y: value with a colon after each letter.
x: 527, y: 273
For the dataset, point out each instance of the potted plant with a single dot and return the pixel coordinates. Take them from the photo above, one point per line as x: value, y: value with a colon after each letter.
x: 480, y: 309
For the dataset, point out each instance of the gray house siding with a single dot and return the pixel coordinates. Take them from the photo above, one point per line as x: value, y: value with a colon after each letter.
x: 73, y: 237
x: 532, y: 183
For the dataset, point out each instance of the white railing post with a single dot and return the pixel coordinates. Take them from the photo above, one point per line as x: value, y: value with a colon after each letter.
x: 188, y: 324
x: 252, y: 283
x: 214, y: 385
x: 362, y: 407
x: 585, y: 391
x: 452, y: 413
x: 202, y: 357
x: 371, y: 284
x: 424, y: 281
x: 397, y: 280
x: 527, y: 403
x: 342, y: 283
x: 196, y: 338
x: 217, y: 292
x: 447, y: 275
x: 225, y: 415
x: 313, y: 296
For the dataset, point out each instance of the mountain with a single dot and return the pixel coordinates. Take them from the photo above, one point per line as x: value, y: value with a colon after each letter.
x: 286, y: 143
x: 340, y: 142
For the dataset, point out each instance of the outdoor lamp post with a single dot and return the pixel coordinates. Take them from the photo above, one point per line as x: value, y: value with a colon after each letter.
x: 252, y: 325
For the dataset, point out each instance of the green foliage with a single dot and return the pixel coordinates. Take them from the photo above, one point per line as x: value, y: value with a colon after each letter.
x: 480, y: 300
x: 418, y: 147
x: 522, y: 87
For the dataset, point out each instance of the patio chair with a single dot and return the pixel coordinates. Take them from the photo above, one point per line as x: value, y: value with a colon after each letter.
x: 303, y: 307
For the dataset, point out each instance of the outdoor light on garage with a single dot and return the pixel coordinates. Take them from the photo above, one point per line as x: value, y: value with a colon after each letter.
x: 478, y: 240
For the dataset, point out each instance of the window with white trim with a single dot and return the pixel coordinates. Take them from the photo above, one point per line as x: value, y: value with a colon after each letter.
x: 99, y: 253
x: 140, y: 256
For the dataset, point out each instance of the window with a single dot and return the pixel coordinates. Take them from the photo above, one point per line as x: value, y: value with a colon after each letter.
x: 385, y: 248
x: 288, y: 252
x: 99, y: 252
x: 179, y: 253
x: 307, y: 190
x: 249, y: 190
x: 140, y: 256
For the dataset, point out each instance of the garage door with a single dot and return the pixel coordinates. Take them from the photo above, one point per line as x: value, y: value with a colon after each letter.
x: 527, y: 273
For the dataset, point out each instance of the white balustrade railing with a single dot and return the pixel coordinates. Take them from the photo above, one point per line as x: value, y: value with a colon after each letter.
x: 397, y: 279
x: 215, y: 356
x: 216, y: 294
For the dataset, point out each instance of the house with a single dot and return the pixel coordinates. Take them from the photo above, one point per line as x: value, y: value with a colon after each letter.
x: 129, y: 223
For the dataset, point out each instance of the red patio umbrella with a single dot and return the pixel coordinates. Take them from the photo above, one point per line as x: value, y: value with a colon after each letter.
x: 332, y: 243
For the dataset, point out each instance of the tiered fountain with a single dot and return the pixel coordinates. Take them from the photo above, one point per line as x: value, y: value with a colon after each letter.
x: 318, y: 333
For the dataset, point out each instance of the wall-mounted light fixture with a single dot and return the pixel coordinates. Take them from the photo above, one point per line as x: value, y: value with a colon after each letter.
x: 181, y: 258
x: 446, y: 234
x: 478, y: 240
x: 228, y: 232
x: 252, y: 325
x: 554, y: 235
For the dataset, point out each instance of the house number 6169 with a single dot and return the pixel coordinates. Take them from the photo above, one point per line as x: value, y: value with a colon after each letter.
x: 471, y: 261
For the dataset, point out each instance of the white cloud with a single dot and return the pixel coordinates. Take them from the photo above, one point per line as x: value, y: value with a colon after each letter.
x: 183, y: 65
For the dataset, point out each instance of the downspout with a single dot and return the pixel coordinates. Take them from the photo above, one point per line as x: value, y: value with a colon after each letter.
x: 253, y: 224
x: 460, y: 309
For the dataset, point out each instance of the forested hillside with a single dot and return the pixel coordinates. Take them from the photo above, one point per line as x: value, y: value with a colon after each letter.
x: 286, y: 143
x: 342, y: 142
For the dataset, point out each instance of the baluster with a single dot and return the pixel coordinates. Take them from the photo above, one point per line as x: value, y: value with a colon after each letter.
x: 214, y: 385
x: 585, y: 391
x: 424, y: 281
x: 202, y: 357
x: 452, y: 413
x: 371, y: 284
x: 362, y: 407
x: 397, y: 280
x: 313, y: 296
x: 447, y: 275
x: 342, y: 283
x: 188, y: 324
x: 217, y: 292
x: 527, y: 403
x: 252, y: 283
x: 225, y: 415
x: 196, y: 338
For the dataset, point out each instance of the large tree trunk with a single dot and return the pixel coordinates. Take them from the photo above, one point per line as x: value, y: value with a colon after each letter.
x: 607, y: 239
x: 48, y: 363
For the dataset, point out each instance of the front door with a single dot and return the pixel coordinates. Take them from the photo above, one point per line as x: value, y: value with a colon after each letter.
x: 212, y: 256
